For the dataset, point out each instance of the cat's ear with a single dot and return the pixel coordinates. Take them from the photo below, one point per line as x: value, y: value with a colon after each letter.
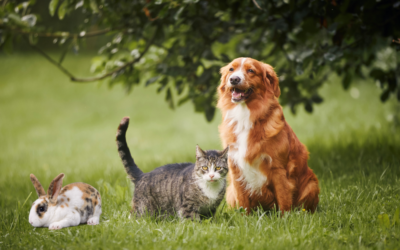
x: 224, y: 153
x: 199, y: 152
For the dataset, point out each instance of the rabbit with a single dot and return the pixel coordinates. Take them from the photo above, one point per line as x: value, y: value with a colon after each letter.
x: 71, y: 205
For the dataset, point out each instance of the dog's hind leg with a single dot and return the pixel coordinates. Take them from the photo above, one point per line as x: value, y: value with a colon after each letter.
x: 283, y: 189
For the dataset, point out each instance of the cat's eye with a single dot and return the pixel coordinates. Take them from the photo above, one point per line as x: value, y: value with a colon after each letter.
x: 205, y: 168
x: 218, y: 168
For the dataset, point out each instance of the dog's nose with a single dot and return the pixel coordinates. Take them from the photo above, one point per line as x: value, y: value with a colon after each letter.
x: 234, y: 80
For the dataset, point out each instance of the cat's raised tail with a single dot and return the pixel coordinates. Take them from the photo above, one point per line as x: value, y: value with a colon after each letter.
x: 131, y: 168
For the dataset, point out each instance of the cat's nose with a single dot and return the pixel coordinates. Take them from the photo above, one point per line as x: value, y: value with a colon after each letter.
x: 211, y: 176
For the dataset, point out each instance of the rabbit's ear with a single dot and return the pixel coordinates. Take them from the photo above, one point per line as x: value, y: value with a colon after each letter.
x: 38, y: 187
x: 55, y: 188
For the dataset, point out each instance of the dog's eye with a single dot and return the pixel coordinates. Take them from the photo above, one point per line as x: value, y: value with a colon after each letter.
x: 205, y: 168
x: 250, y: 71
x: 231, y: 69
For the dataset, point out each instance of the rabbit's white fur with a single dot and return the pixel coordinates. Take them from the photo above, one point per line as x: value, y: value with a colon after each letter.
x: 70, y: 206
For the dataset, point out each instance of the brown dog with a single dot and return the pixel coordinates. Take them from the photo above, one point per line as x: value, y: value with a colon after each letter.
x: 267, y: 162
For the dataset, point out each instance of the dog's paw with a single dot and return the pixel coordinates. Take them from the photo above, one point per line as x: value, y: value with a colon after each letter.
x: 55, y: 226
x: 93, y: 221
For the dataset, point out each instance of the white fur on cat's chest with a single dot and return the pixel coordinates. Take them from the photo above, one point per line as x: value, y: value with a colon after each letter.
x: 252, y: 178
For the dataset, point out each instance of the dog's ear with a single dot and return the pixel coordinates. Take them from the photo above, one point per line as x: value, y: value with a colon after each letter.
x: 270, y: 78
x: 224, y: 73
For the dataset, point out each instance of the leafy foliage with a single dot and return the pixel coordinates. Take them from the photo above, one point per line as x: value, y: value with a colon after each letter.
x: 181, y: 45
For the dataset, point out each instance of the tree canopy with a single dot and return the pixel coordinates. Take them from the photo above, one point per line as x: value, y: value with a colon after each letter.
x: 181, y: 45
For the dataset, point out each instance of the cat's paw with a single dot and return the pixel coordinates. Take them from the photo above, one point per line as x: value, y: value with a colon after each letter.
x: 93, y: 221
x: 55, y: 226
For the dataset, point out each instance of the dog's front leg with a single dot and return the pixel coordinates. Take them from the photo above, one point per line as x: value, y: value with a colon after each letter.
x: 236, y: 195
x: 231, y: 195
x: 283, y: 189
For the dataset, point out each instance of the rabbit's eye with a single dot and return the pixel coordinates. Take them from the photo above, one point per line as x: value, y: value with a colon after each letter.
x: 42, y: 208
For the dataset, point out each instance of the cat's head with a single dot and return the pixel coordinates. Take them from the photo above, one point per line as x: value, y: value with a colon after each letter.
x: 211, y: 165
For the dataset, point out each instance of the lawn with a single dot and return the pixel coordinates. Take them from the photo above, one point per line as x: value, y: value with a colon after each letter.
x: 49, y: 125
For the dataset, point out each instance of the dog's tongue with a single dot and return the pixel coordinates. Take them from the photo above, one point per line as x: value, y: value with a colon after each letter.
x: 236, y: 93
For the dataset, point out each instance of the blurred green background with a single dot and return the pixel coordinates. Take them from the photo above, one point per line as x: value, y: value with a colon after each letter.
x: 50, y: 125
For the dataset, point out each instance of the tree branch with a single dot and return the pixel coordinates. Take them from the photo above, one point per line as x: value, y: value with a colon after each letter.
x: 92, y: 79
x: 59, y: 34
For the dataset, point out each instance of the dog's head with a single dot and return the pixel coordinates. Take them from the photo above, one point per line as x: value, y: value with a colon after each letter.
x: 246, y: 79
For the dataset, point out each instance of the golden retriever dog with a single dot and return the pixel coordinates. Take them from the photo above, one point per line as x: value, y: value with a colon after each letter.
x: 267, y: 162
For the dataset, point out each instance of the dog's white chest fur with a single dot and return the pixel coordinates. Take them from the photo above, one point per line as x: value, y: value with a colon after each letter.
x: 251, y: 177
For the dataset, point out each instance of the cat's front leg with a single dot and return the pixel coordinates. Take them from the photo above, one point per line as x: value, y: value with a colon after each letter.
x: 189, y: 212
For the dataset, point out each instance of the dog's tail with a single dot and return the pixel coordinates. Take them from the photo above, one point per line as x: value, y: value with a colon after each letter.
x: 131, y: 168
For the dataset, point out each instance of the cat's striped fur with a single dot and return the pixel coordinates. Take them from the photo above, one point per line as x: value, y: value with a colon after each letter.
x: 189, y: 190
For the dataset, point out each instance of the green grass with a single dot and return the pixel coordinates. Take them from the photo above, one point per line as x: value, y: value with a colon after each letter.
x: 49, y: 125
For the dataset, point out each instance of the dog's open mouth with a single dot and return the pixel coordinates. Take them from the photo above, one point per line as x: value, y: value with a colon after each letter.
x: 240, y: 94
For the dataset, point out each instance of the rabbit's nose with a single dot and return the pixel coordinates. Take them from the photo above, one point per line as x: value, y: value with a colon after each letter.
x: 31, y: 222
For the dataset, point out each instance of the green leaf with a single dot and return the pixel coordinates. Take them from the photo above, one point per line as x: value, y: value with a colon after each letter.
x: 163, y: 84
x: 346, y: 81
x: 209, y: 112
x: 378, y: 74
x: 93, y: 6
x: 396, y: 217
x: 178, y: 13
x: 183, y: 100
x: 385, y: 95
x: 225, y: 58
x: 308, y: 106
x: 53, y: 6
x: 169, y: 99
x: 62, y: 10
x: 163, y: 12
x: 97, y: 64
x: 316, y: 98
x: 179, y: 86
x: 152, y: 80
x: 206, y: 221
x: 16, y: 19
x: 299, y: 69
x: 383, y: 220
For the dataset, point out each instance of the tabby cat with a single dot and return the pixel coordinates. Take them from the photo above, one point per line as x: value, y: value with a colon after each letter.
x: 189, y: 190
